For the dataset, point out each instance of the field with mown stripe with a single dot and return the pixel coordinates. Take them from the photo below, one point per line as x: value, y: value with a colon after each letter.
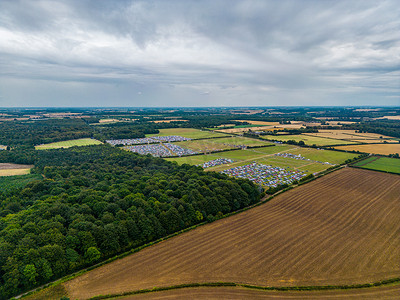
x: 385, y: 164
x: 340, y: 229
x: 266, y: 156
x: 209, y: 145
x: 67, y: 144
x: 190, y: 133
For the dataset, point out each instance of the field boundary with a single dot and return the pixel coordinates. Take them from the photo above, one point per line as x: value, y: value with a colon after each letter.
x: 249, y: 286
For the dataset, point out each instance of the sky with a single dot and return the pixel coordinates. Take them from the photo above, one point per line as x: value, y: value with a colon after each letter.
x: 187, y: 53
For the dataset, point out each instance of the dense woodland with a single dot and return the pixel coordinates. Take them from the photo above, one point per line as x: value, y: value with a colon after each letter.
x: 43, y: 131
x: 384, y: 127
x: 94, y: 202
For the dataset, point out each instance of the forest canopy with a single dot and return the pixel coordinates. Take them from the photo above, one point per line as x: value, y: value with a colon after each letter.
x: 94, y: 202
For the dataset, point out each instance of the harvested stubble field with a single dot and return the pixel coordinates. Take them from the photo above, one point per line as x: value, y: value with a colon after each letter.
x: 259, y: 122
x: 308, y: 139
x: 384, y: 149
x: 340, y: 229
x: 352, y: 135
x: 233, y: 293
x: 7, y: 169
x: 389, y: 118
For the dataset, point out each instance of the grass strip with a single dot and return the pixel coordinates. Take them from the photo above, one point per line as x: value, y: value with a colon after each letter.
x: 249, y: 286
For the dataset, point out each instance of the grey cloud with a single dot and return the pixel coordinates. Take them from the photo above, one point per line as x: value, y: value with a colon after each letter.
x: 179, y: 49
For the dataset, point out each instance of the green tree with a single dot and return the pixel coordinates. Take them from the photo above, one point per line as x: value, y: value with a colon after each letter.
x: 30, y: 274
x: 92, y: 254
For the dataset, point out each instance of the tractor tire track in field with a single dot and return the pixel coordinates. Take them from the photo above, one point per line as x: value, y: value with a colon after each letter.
x: 340, y: 229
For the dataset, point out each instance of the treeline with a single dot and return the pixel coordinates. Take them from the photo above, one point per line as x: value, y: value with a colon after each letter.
x: 384, y: 127
x: 97, y: 201
x: 42, y: 132
x: 124, y: 130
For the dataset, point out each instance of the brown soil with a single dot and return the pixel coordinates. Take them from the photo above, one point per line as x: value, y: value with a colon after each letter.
x: 343, y: 228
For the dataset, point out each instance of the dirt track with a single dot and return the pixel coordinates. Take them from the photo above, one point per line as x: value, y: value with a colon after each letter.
x: 341, y: 229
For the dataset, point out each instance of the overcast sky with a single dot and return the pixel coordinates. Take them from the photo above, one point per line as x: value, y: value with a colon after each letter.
x: 199, y: 53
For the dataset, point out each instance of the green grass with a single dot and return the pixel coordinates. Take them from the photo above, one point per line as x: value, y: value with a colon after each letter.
x: 241, y: 141
x: 307, y: 139
x: 190, y: 133
x: 261, y: 155
x: 266, y: 156
x: 8, y: 183
x: 67, y: 144
x: 275, y: 149
x: 207, y: 145
x: 333, y: 157
x: 194, y: 160
x: 385, y: 164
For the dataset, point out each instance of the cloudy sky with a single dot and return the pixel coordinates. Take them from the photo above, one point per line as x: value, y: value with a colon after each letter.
x: 199, y: 53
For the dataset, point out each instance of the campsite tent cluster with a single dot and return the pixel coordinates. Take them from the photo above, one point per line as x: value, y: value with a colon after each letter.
x: 216, y: 162
x: 299, y: 157
x: 178, y: 150
x: 264, y: 174
x: 149, y: 140
x: 237, y: 146
x: 161, y: 150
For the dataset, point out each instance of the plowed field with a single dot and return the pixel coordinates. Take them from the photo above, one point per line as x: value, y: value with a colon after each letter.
x: 343, y: 228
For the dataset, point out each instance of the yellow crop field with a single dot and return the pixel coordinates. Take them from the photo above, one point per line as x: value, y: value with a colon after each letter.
x: 384, y: 149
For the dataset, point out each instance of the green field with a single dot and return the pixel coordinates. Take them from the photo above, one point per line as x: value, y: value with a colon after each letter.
x: 307, y: 139
x: 235, y: 140
x: 333, y: 157
x: 385, y: 164
x: 8, y: 183
x: 203, y: 146
x: 266, y: 156
x: 237, y: 155
x: 209, y: 145
x: 190, y: 133
x: 67, y: 144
